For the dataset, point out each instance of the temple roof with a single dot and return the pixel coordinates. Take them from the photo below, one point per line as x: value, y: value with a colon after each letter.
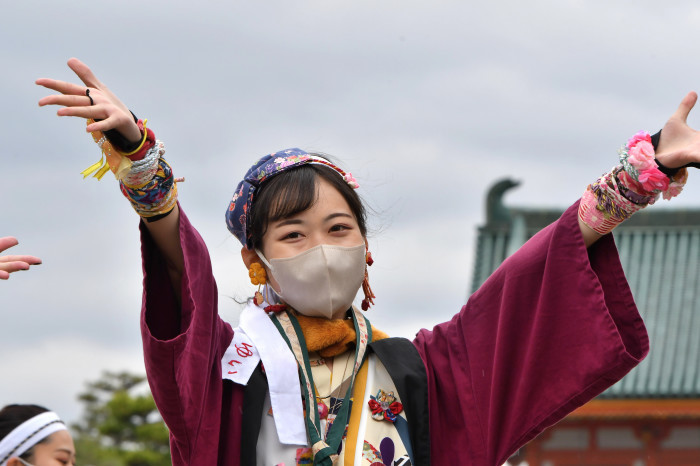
x: 660, y: 253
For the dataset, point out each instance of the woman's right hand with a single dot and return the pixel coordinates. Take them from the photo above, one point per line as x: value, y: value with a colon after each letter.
x: 107, y: 108
x: 113, y: 114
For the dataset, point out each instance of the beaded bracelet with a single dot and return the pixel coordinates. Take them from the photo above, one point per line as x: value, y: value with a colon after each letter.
x: 143, y: 170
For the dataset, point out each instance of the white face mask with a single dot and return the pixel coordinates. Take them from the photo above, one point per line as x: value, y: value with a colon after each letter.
x: 320, y: 282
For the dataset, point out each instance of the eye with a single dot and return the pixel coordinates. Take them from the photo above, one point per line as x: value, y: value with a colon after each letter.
x: 292, y: 235
x: 340, y: 227
x: 65, y: 460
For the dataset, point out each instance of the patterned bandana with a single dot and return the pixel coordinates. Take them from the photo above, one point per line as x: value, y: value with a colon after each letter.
x: 238, y: 212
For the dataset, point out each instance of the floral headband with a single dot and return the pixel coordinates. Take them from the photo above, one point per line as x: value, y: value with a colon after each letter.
x: 238, y: 212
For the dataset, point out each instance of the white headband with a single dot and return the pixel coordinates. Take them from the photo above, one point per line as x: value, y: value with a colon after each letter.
x: 28, y: 434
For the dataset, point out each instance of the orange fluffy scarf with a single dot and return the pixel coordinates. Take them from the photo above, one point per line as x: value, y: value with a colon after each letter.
x: 331, y: 337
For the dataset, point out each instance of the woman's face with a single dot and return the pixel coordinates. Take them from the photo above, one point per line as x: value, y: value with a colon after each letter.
x: 328, y: 221
x: 57, y: 450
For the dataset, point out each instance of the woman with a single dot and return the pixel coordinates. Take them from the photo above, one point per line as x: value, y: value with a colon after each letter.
x: 34, y: 436
x: 462, y: 393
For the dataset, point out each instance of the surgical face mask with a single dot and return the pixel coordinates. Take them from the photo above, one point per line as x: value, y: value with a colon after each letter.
x: 320, y: 282
x: 24, y: 462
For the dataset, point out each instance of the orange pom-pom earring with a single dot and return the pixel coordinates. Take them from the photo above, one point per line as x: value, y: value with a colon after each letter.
x: 366, y: 289
x: 257, y: 275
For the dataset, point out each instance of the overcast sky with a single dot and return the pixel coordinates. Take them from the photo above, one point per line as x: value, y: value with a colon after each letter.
x: 426, y: 103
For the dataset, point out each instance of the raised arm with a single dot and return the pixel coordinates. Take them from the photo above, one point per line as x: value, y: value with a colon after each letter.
x: 107, y: 114
x: 678, y: 147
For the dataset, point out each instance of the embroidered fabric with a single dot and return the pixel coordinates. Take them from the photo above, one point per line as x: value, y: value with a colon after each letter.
x: 158, y: 195
x: 367, y: 441
x: 603, y: 206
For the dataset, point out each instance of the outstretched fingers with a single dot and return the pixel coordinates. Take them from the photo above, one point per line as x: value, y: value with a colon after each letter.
x: 68, y: 88
x: 101, y: 105
x: 14, y: 263
x: 686, y: 106
x: 63, y: 87
x: 6, y: 268
x: 7, y: 242
x: 66, y: 100
x: 84, y: 73
x: 90, y: 112
x: 29, y: 260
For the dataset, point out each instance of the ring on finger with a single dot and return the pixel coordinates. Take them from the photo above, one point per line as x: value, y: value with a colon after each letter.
x: 87, y: 93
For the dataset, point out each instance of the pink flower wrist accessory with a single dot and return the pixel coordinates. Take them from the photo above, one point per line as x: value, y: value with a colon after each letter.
x: 638, y: 161
x: 629, y: 187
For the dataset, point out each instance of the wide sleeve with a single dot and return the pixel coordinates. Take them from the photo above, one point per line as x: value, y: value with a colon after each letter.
x: 553, y: 327
x: 183, y: 345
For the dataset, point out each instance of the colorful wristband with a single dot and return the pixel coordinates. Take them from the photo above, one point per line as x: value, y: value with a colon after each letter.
x: 604, y: 206
x: 631, y: 186
x: 638, y: 160
x: 157, y: 196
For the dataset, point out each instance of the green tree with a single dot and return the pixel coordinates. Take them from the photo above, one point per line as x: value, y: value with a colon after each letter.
x: 120, y: 425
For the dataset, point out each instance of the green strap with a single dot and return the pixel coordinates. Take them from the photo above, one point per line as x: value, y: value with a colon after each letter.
x: 325, y: 450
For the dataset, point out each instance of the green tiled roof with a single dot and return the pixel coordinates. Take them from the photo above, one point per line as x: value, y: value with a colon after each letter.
x: 660, y: 253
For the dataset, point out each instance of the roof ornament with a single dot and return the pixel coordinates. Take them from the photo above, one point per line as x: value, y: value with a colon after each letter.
x: 497, y: 214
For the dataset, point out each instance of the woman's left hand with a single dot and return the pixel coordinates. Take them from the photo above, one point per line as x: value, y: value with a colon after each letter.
x: 679, y: 143
x: 9, y: 264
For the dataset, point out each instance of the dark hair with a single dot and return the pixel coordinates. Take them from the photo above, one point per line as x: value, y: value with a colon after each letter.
x: 292, y: 192
x: 12, y: 416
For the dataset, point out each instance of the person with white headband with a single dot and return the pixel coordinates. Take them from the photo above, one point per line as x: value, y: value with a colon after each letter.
x: 31, y: 435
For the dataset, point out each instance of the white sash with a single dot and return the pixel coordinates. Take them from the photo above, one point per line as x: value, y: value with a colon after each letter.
x: 256, y: 338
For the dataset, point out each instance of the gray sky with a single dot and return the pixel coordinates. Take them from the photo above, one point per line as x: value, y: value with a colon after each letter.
x: 426, y: 103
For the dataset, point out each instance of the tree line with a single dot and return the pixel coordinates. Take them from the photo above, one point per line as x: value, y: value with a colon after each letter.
x: 120, y: 424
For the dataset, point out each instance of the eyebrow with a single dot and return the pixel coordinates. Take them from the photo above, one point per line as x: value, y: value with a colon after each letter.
x: 288, y: 221
x: 297, y: 221
x: 337, y: 214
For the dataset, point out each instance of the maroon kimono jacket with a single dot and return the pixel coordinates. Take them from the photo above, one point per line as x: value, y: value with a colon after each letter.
x: 553, y: 327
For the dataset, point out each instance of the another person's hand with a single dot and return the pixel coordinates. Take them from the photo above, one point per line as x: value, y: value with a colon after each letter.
x: 679, y: 144
x: 104, y: 106
x: 9, y: 264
